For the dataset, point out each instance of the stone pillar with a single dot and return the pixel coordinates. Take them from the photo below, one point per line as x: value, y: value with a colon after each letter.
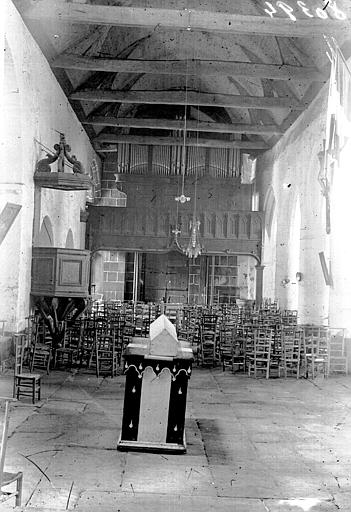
x: 259, y: 283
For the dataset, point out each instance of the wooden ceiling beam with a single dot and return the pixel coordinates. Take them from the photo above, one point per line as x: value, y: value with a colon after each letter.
x: 179, y: 141
x: 191, y: 126
x: 191, y: 67
x: 189, y: 98
x: 185, y: 19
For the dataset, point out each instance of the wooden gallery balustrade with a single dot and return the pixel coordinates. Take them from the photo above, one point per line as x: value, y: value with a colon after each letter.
x: 150, y: 230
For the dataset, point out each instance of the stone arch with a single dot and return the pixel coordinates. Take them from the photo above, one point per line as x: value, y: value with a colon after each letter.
x: 46, y: 234
x: 69, y: 240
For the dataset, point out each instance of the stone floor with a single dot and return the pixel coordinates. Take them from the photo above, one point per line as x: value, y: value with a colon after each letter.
x: 253, y: 446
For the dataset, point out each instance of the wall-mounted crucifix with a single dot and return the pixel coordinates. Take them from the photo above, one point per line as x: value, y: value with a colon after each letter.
x: 325, y: 185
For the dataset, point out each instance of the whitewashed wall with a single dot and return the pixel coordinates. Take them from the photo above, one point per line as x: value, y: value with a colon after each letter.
x: 291, y: 169
x: 35, y: 109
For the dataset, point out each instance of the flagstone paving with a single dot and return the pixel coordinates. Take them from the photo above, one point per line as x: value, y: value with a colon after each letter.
x: 252, y: 446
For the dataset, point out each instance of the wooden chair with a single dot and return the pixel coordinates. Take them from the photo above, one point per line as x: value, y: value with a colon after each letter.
x: 240, y: 353
x: 6, y: 478
x: 245, y: 339
x: 261, y: 360
x: 316, y: 351
x: 292, y: 348
x: 106, y: 358
x: 142, y: 319
x: 127, y: 333
x: 289, y: 317
x: 226, y: 345
x: 25, y: 384
x: 41, y: 349
x: 87, y: 346
x: 67, y: 355
x: 208, y: 340
x: 188, y: 332
x: 338, y: 360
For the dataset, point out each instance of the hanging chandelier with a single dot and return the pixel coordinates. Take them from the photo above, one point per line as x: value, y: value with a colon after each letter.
x: 182, y: 198
x: 194, y: 247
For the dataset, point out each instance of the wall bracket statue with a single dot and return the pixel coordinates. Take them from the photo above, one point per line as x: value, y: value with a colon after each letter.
x: 61, y: 156
x: 68, y: 172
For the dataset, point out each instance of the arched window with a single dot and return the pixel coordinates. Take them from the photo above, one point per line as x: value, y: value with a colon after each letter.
x: 69, y: 240
x: 269, y: 209
x: 46, y: 235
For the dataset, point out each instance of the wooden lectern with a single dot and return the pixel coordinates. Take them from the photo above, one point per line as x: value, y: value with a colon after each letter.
x: 157, y: 372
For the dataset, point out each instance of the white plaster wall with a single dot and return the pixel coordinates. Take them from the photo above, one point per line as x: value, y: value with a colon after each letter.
x: 269, y: 258
x: 39, y: 111
x: 340, y: 292
x: 269, y: 261
x: 291, y: 168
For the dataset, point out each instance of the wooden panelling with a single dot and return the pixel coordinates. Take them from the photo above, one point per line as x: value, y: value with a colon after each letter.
x: 62, y: 180
x: 60, y: 272
x: 219, y: 230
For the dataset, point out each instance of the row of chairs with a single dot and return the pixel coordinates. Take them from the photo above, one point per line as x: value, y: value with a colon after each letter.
x: 91, y: 342
x: 296, y: 351
x: 209, y: 331
x: 80, y: 343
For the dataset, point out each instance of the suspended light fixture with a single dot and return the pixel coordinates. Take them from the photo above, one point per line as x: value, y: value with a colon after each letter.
x: 182, y: 198
x: 194, y: 248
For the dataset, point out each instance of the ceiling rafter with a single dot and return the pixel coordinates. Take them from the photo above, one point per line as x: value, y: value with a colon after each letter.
x: 183, y: 19
x: 282, y: 88
x: 179, y: 141
x: 171, y: 124
x: 91, y: 43
x: 273, y: 63
x: 189, y: 97
x: 190, y: 67
x: 99, y: 78
x: 291, y: 52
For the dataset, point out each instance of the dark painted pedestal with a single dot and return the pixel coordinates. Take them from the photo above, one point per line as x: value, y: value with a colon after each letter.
x: 155, y: 399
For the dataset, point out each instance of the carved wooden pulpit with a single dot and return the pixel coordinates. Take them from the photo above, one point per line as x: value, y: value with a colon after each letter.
x: 157, y: 373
